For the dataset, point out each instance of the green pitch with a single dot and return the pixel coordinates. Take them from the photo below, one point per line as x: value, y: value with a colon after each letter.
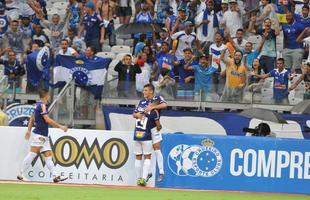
x: 54, y: 192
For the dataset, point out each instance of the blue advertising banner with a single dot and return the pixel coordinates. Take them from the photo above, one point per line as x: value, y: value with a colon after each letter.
x: 216, y: 123
x: 236, y: 163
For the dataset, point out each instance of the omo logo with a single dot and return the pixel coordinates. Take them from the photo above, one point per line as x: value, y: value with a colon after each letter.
x: 197, y: 160
x: 113, y: 153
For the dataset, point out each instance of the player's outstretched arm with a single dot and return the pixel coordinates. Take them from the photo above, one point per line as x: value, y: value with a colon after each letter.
x: 30, y: 125
x: 160, y: 106
x: 54, y: 123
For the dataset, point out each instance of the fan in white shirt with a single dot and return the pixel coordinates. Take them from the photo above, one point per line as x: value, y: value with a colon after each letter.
x: 185, y: 40
x: 239, y: 41
x: 199, y: 22
x: 232, y: 19
x: 66, y: 50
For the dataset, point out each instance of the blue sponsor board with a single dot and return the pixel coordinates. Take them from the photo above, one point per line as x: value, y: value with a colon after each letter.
x: 236, y: 163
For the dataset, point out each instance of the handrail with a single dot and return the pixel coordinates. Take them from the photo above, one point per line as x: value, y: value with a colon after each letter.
x: 4, y: 91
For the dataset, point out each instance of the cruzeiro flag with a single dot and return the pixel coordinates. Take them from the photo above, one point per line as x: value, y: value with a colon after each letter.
x: 38, y: 64
x: 87, y: 73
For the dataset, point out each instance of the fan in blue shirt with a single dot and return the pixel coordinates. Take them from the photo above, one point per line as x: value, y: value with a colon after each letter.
x: 203, y: 75
x: 280, y: 83
x: 186, y: 77
x: 291, y: 32
x: 94, y: 27
x: 144, y: 16
x: 166, y: 60
x: 304, y: 18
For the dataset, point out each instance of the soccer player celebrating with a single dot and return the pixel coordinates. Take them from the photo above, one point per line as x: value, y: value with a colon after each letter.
x: 144, y: 106
x: 143, y: 143
x: 40, y: 141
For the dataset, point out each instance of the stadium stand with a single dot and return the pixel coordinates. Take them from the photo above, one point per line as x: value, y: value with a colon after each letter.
x: 210, y: 31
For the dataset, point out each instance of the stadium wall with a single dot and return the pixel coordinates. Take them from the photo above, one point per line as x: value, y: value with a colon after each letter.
x: 194, y: 161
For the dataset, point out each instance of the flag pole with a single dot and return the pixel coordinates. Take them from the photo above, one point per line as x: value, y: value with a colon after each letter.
x: 61, y: 93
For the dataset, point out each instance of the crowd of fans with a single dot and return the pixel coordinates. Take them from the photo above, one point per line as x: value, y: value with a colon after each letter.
x: 215, y: 49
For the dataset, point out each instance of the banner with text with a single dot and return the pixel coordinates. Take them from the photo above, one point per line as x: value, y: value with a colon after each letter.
x: 85, y: 156
x: 236, y: 163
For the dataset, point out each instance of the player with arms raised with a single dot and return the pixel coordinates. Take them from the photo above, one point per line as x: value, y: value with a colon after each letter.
x: 40, y: 141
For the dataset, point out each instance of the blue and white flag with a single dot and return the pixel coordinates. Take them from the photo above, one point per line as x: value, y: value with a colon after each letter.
x: 38, y: 64
x: 88, y: 73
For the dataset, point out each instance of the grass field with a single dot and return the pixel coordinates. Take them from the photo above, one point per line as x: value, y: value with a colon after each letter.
x: 17, y: 191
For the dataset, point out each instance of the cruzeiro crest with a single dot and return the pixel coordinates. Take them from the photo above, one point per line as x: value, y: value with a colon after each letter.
x: 43, y: 58
x: 19, y: 114
x: 195, y: 160
x: 2, y: 23
x: 80, y: 74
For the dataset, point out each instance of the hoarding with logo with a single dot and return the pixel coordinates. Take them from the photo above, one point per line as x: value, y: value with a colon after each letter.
x: 236, y: 163
x: 85, y: 156
x: 19, y: 114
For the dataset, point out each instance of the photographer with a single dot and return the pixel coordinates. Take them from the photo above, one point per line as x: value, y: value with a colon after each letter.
x: 262, y: 130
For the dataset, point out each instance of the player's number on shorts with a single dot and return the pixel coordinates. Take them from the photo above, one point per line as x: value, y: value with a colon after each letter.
x: 141, y: 123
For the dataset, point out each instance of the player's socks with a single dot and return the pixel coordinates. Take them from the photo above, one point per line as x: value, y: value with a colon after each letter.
x: 50, y: 165
x: 146, y: 167
x: 160, y: 161
x: 27, y: 162
x: 138, y: 165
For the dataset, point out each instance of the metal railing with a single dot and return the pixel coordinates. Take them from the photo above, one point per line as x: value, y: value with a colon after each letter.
x: 4, y: 87
x: 67, y: 90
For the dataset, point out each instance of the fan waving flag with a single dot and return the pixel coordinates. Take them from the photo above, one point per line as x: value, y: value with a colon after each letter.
x: 38, y: 64
x: 87, y: 73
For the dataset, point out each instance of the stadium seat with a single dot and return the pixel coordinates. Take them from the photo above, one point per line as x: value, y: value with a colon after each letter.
x: 279, y: 43
x: 116, y: 26
x: 267, y: 92
x: 51, y: 11
x: 119, y: 41
x: 268, y: 83
x: 293, y: 100
x: 128, y: 42
x: 116, y: 21
x: 124, y: 36
x: 60, y: 5
x: 120, y: 49
x: 120, y: 56
x: 106, y: 48
x: 106, y: 41
x: 49, y: 4
x: 255, y: 40
x: 112, y: 66
x: 106, y: 55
